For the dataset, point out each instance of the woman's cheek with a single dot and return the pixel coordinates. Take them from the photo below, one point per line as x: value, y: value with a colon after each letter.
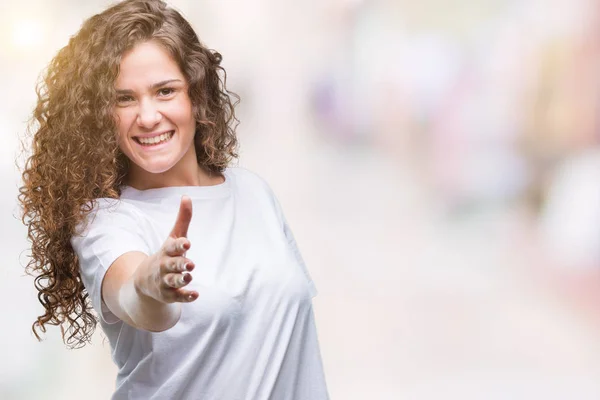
x: 124, y: 121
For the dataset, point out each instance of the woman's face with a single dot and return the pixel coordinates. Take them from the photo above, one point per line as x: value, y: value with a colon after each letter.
x: 155, y: 120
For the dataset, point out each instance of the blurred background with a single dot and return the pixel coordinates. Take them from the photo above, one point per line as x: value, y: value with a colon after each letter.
x: 438, y: 161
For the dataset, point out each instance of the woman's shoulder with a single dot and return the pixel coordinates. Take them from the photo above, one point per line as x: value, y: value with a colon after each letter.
x: 245, y: 177
x: 253, y: 186
x: 114, y: 206
x: 108, y: 211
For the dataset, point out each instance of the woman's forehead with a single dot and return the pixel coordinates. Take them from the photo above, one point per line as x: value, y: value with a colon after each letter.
x: 146, y: 64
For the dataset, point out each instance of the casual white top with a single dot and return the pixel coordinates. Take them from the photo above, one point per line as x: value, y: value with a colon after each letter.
x: 250, y: 334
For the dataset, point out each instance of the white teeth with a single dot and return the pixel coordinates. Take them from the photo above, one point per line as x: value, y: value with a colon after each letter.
x: 156, y: 139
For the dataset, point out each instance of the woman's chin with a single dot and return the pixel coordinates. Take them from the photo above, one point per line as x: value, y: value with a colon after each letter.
x: 155, y: 168
x: 161, y: 169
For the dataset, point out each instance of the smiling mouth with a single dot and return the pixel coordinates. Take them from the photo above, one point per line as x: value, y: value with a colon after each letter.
x: 156, y: 140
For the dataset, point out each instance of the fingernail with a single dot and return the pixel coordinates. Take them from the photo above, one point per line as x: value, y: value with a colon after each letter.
x: 182, y: 279
x: 190, y: 297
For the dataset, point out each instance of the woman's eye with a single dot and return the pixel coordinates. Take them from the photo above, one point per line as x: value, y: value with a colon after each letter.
x: 166, y: 91
x: 124, y: 99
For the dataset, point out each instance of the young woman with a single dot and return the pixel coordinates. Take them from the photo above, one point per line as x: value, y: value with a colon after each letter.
x: 132, y: 206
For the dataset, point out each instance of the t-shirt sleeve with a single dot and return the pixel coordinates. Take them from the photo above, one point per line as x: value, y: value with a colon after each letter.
x: 111, y: 231
x: 292, y: 243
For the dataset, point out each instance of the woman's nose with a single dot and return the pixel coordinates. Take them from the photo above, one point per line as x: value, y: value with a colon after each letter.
x: 148, y: 115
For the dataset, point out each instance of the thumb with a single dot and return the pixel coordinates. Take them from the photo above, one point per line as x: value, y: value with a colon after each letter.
x: 184, y: 216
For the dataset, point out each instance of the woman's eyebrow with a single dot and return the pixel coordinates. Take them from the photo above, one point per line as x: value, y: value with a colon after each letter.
x: 162, y: 83
x: 154, y: 86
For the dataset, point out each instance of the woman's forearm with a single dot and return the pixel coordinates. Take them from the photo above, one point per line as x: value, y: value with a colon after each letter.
x: 146, y: 312
x: 130, y: 288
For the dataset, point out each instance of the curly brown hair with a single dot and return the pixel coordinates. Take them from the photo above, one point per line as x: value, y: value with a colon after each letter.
x: 75, y: 157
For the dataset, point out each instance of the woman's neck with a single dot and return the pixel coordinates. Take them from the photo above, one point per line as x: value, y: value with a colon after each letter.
x: 186, y: 172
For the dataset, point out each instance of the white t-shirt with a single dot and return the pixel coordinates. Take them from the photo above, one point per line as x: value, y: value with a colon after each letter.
x: 250, y: 334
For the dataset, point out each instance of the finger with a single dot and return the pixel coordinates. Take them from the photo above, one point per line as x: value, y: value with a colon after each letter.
x: 176, y: 280
x: 184, y: 216
x: 176, y: 247
x: 185, y: 296
x: 178, y: 264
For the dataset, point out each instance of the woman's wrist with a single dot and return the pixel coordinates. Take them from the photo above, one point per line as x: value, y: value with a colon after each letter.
x: 140, y: 301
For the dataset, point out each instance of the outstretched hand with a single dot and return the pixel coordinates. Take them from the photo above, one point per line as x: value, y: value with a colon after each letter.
x: 172, y: 266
